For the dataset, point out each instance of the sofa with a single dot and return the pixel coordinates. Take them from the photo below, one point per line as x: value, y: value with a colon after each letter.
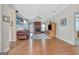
x: 22, y: 34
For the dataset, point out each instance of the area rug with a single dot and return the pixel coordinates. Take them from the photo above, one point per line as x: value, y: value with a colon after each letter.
x: 39, y: 36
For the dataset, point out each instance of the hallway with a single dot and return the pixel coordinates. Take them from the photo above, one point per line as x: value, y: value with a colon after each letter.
x: 39, y: 29
x: 55, y: 20
x: 52, y: 46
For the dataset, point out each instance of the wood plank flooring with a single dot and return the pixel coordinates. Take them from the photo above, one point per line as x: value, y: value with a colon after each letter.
x: 52, y: 46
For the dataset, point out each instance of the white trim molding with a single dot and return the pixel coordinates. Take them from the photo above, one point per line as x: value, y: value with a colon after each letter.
x: 65, y: 40
x: 6, y: 50
x: 62, y: 8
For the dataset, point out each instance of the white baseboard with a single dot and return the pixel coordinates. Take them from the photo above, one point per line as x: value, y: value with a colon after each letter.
x: 65, y: 40
x: 6, y: 50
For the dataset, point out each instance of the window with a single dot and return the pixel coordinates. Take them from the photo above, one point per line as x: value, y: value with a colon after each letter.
x: 43, y: 27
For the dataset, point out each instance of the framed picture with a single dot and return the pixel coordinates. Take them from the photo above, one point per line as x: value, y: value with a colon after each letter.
x: 5, y: 18
x: 63, y: 22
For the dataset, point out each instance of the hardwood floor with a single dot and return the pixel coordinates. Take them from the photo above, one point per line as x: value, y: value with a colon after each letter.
x: 52, y: 46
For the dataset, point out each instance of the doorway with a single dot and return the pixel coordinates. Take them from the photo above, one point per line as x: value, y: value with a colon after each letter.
x: 77, y: 27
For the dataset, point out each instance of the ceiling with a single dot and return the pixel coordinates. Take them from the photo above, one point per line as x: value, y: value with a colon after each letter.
x: 32, y: 10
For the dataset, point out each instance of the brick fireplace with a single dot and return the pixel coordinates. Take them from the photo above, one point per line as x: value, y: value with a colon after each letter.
x: 37, y: 27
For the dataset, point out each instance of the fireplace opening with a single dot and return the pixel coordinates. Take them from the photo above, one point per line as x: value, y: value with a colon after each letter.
x: 38, y: 30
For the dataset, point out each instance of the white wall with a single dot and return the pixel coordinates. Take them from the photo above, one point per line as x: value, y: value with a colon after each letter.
x: 5, y: 29
x: 67, y: 33
x: 6, y: 33
x: 0, y: 28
